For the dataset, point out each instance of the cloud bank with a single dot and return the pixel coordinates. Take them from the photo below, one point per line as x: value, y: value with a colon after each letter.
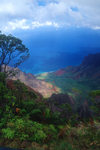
x: 30, y: 14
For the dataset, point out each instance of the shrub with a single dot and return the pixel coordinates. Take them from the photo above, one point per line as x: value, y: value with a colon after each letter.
x: 64, y: 146
x: 39, y: 136
x: 8, y: 133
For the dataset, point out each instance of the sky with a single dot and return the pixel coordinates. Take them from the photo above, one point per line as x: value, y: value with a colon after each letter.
x: 30, y: 14
x: 58, y: 33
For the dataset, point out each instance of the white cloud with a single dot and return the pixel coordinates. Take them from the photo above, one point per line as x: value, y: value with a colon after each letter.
x: 27, y: 14
x: 17, y: 24
x: 36, y: 24
x: 23, y: 24
x: 96, y: 28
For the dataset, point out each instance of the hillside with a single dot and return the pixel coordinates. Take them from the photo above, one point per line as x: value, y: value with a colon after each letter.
x: 72, y: 80
x: 76, y: 80
x: 27, y: 121
x: 67, y: 120
x: 44, y: 88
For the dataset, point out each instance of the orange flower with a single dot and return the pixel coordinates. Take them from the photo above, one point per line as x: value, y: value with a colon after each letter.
x: 17, y: 110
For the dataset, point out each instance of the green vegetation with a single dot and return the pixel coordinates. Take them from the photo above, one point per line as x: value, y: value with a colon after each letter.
x: 26, y: 121
x: 95, y: 98
x: 78, y: 88
x: 62, y: 122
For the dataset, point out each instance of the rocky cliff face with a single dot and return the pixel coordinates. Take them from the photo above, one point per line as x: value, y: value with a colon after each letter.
x: 63, y: 79
x: 77, y: 80
x: 44, y: 88
x: 89, y: 68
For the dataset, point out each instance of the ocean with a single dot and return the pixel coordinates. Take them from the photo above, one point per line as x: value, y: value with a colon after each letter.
x: 52, y: 49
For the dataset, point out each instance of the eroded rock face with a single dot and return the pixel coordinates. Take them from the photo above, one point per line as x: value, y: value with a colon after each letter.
x: 61, y: 99
x: 84, y: 111
x: 11, y: 85
x: 62, y: 103
x: 44, y: 88
x: 89, y: 68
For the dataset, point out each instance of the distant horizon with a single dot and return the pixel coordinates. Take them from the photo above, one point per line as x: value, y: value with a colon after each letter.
x: 51, y: 50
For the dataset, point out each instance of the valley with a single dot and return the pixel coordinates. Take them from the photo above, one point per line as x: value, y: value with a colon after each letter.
x: 38, y: 112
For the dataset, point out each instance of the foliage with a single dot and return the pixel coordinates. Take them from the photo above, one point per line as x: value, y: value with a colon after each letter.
x: 95, y: 98
x: 8, y: 133
x: 12, y: 51
x: 39, y: 136
x: 95, y: 93
x: 24, y: 119
x: 64, y: 146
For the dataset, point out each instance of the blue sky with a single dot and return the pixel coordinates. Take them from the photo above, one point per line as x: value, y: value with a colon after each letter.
x: 58, y: 33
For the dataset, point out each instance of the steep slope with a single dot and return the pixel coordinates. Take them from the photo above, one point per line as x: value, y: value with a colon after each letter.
x: 74, y: 80
x: 77, y: 80
x: 90, y: 67
x: 20, y: 88
x: 44, y: 88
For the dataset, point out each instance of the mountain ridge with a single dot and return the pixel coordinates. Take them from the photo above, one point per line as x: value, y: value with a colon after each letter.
x: 82, y: 77
x: 85, y: 77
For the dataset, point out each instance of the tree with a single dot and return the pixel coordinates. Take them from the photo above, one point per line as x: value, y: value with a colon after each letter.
x: 12, y: 51
x: 95, y: 98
